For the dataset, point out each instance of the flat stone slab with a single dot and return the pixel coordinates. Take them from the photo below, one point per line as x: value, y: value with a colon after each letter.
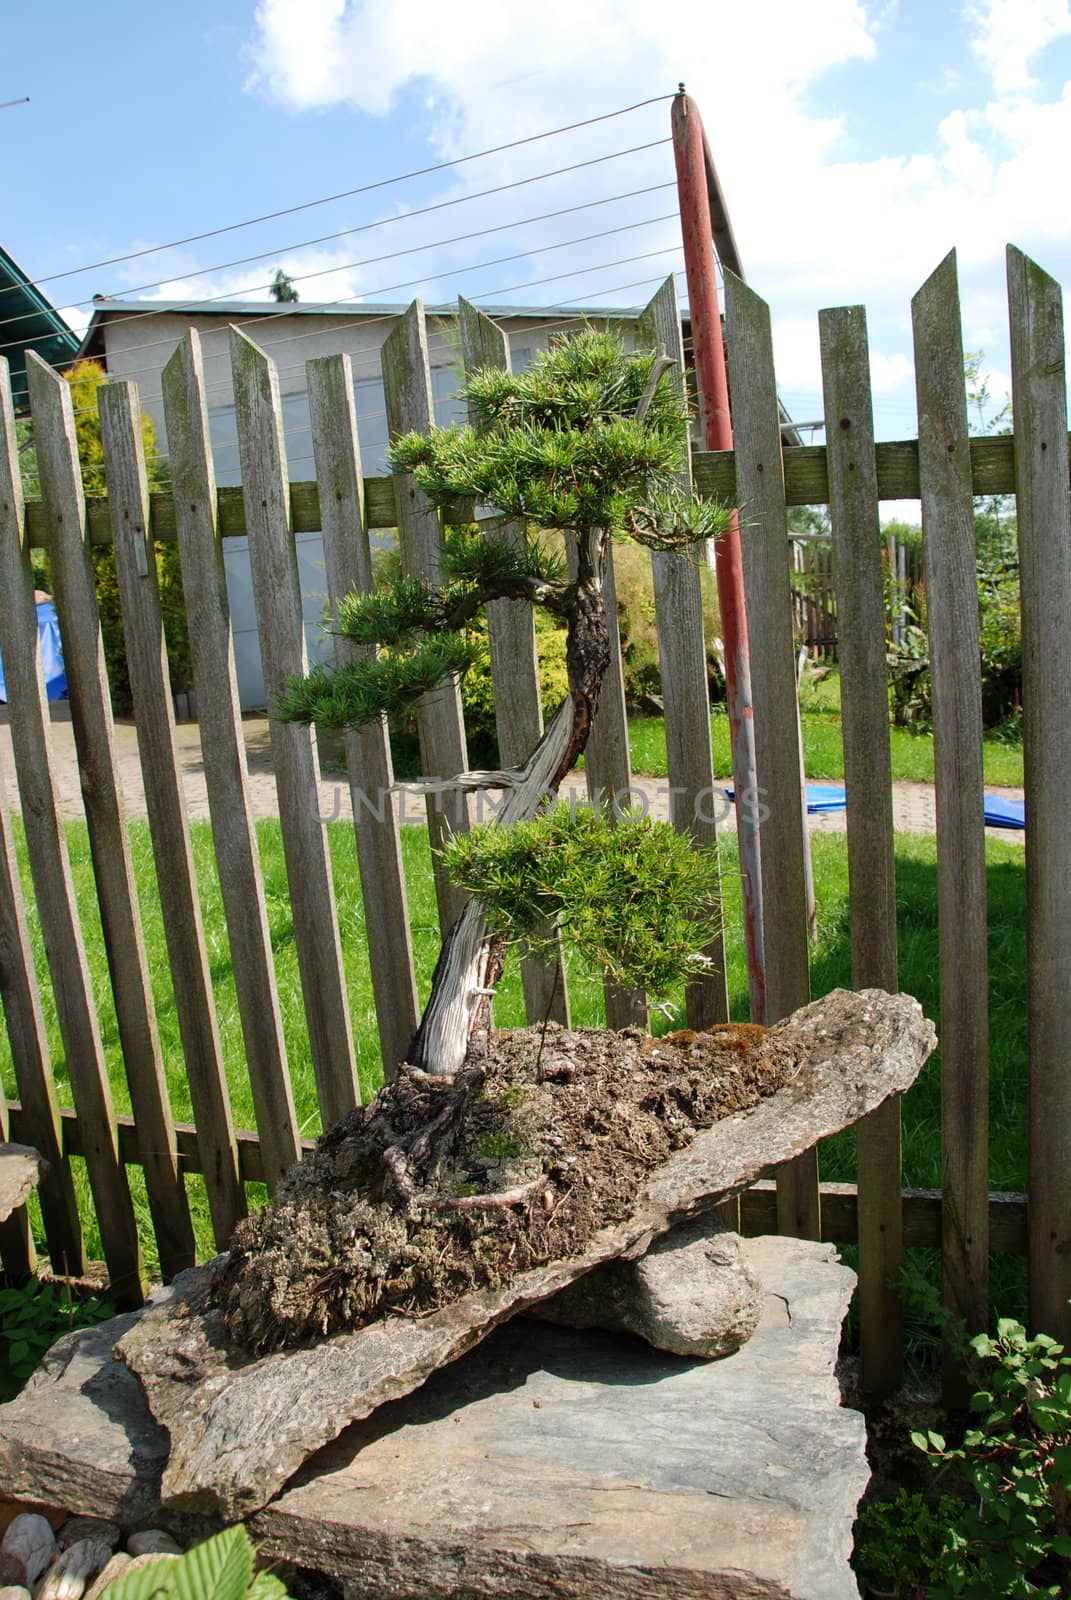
x: 20, y: 1171
x: 546, y: 1463
x: 241, y: 1427
x: 80, y: 1436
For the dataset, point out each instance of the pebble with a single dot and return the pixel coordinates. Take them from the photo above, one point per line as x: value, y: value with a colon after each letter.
x: 118, y: 1564
x: 30, y: 1540
x: 153, y: 1542
x: 98, y: 1528
x: 72, y: 1570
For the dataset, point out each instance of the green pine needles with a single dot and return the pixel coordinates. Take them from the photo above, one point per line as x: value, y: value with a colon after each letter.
x: 587, y: 438
x: 634, y: 899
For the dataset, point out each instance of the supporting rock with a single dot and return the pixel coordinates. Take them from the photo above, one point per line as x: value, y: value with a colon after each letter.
x: 547, y: 1463
x: 693, y: 1294
x: 240, y: 1427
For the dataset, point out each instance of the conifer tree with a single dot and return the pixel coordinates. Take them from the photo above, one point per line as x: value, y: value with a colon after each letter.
x: 588, y: 442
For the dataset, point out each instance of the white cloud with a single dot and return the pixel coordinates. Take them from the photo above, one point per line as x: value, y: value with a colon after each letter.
x: 889, y: 372
x: 76, y: 317
x: 1008, y: 34
x: 816, y: 225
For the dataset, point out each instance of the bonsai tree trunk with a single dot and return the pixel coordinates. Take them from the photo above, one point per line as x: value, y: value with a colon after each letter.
x: 470, y: 962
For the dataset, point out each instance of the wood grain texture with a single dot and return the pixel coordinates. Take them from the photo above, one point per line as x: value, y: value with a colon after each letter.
x: 1044, y: 519
x: 859, y: 580
x: 806, y: 483
x: 165, y: 801
x: 682, y: 656
x: 952, y: 613
x: 348, y: 563
x: 761, y: 496
x: 28, y: 1040
x: 440, y: 724
x: 89, y: 696
x: 514, y: 671
x: 277, y: 598
x: 76, y: 1006
x: 223, y: 747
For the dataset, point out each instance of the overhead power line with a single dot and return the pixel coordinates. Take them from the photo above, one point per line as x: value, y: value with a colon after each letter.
x: 346, y: 266
x: 408, y: 283
x: 346, y: 194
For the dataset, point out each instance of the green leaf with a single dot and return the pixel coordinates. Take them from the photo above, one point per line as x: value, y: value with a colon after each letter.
x: 221, y: 1568
x: 266, y: 1586
x: 151, y: 1582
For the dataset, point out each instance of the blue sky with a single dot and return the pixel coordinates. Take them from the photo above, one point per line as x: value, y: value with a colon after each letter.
x: 857, y: 143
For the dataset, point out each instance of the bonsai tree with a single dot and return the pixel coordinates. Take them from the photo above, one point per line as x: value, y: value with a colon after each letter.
x: 589, y: 442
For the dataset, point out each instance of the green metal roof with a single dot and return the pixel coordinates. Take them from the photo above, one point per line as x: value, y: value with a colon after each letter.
x: 29, y: 322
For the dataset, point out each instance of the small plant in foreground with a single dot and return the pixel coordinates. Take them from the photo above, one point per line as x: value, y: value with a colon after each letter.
x: 899, y: 1543
x: 219, y: 1569
x: 32, y: 1318
x: 1014, y: 1537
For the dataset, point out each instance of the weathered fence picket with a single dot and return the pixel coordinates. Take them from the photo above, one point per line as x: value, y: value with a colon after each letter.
x: 91, y: 715
x: 514, y: 672
x: 1039, y: 405
x: 348, y: 560
x: 853, y: 509
x: 440, y: 723
x: 46, y: 843
x: 180, y: 903
x: 952, y: 594
x: 226, y: 777
x: 682, y: 656
x: 30, y: 1056
x: 760, y: 491
x: 277, y: 597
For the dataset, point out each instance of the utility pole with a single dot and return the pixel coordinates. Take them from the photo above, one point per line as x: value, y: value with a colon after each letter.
x: 701, y: 224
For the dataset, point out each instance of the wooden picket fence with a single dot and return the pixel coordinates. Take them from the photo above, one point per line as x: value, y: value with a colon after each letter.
x: 850, y: 474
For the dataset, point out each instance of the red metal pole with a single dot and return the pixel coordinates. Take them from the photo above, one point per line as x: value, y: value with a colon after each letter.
x: 690, y: 152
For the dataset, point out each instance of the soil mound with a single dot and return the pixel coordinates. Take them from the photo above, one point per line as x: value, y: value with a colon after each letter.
x: 440, y: 1187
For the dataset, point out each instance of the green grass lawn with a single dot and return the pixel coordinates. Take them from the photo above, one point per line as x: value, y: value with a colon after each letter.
x: 917, y: 914
x: 912, y: 752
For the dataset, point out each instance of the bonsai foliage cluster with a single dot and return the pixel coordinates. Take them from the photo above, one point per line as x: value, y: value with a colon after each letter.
x: 633, y: 900
x: 588, y: 442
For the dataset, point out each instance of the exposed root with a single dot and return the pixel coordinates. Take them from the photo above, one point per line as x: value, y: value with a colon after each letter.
x: 489, y: 1202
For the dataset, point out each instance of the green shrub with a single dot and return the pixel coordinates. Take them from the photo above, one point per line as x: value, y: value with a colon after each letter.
x: 899, y: 1543
x: 477, y: 688
x: 32, y: 1318
x: 634, y: 901
x: 1013, y: 1537
x: 639, y: 635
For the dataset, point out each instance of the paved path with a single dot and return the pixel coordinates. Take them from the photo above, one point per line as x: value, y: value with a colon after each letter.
x: 913, y: 803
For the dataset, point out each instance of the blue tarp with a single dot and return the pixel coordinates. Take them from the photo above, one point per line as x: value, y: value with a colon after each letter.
x: 48, y: 637
x: 820, y: 797
x: 1001, y: 813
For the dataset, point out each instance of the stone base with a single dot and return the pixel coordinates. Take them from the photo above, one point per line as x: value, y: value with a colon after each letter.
x: 545, y: 1463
